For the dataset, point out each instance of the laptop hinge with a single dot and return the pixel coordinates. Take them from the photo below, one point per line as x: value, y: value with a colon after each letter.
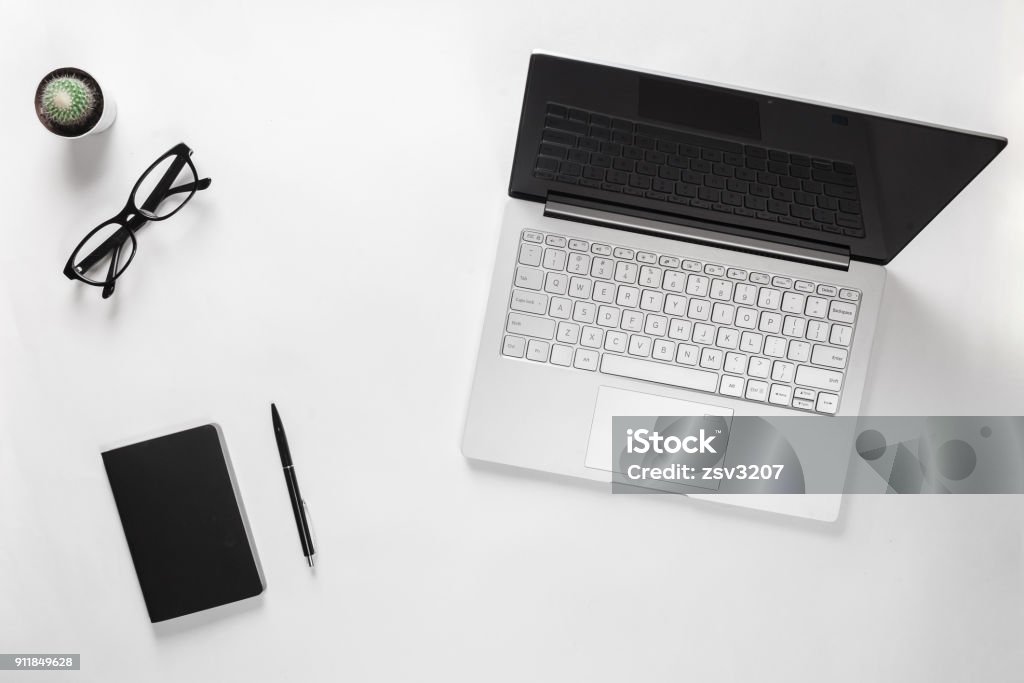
x: 610, y: 219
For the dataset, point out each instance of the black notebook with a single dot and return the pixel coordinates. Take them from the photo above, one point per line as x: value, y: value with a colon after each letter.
x: 183, y: 522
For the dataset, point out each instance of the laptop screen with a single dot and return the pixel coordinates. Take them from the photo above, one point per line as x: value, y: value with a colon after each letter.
x: 736, y: 161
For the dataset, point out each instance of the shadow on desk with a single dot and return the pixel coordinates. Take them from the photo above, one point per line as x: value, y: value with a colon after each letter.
x: 706, y: 509
x: 196, y: 620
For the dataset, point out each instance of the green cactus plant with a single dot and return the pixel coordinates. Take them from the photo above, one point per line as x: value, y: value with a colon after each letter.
x: 67, y: 100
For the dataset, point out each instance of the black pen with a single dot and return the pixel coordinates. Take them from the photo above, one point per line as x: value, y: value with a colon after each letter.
x: 298, y: 505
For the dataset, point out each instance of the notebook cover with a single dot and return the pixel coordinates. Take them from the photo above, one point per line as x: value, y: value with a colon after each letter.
x: 183, y: 522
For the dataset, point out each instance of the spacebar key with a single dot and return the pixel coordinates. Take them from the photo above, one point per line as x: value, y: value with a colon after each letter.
x: 686, y: 378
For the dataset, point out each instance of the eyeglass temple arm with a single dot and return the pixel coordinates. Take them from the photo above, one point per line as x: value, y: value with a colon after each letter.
x: 136, y: 222
x: 108, y: 288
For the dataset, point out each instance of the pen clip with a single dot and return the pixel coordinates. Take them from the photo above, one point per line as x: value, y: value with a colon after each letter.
x: 309, y: 525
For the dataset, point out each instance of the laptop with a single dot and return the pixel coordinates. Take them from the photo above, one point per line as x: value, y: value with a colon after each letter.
x: 674, y: 247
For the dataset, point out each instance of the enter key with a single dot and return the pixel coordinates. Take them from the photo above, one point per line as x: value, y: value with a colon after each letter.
x: 829, y: 356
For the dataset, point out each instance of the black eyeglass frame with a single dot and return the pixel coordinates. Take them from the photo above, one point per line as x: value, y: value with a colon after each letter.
x: 132, y: 217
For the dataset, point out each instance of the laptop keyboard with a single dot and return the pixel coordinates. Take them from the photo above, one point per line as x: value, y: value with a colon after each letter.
x: 618, y: 155
x: 708, y: 327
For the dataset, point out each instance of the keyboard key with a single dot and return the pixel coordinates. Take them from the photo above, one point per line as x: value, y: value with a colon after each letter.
x: 731, y: 386
x: 759, y: 367
x: 782, y: 282
x: 530, y: 254
x: 674, y: 281
x: 746, y: 318
x: 580, y: 287
x: 616, y: 341
x: 803, y: 286
x: 537, y: 350
x: 669, y: 262
x: 703, y: 333
x: 530, y: 326
x: 757, y: 390
x: 627, y: 296
x: 817, y: 330
x: 651, y: 300
x: 662, y: 373
x: 769, y: 298
x: 529, y: 302
x: 793, y: 302
x: 604, y: 292
x: 578, y: 263
x: 745, y: 294
x: 530, y: 278
x: 679, y: 329
x: 601, y: 249
x: 554, y: 259
x: 514, y: 347
x: 818, y: 378
x: 793, y: 326
x: 568, y: 333
x: 546, y: 164
x: 842, y: 311
x: 699, y: 309
x: 602, y: 268
x: 649, y: 277
x: 697, y: 285
x: 727, y: 338
x: 816, y: 307
x: 723, y: 314
x: 656, y: 325
x: 560, y: 308
x: 780, y: 394
x: 759, y: 278
x: 829, y: 356
x: 711, y: 358
x: 586, y: 359
x: 639, y: 345
x: 646, y: 257
x: 735, y: 363
x: 632, y: 321
x: 687, y: 354
x: 584, y: 312
x: 827, y: 403
x: 556, y: 283
x: 664, y: 350
x: 782, y: 372
x: 770, y: 322
x: 774, y: 347
x: 675, y: 305
x: 849, y: 294
x: 840, y: 335
x: 721, y: 290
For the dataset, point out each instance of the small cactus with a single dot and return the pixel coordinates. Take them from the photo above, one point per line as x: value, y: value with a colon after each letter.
x: 67, y: 100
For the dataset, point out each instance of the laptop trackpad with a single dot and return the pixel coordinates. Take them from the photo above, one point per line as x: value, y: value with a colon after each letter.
x: 612, y: 402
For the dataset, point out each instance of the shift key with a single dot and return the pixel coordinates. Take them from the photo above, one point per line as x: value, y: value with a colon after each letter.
x: 814, y: 377
x: 531, y: 326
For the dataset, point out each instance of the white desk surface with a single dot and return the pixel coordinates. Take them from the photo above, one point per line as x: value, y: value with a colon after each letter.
x: 338, y: 265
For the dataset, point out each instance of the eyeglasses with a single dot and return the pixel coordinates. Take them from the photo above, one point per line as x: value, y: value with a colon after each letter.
x: 160, y: 192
